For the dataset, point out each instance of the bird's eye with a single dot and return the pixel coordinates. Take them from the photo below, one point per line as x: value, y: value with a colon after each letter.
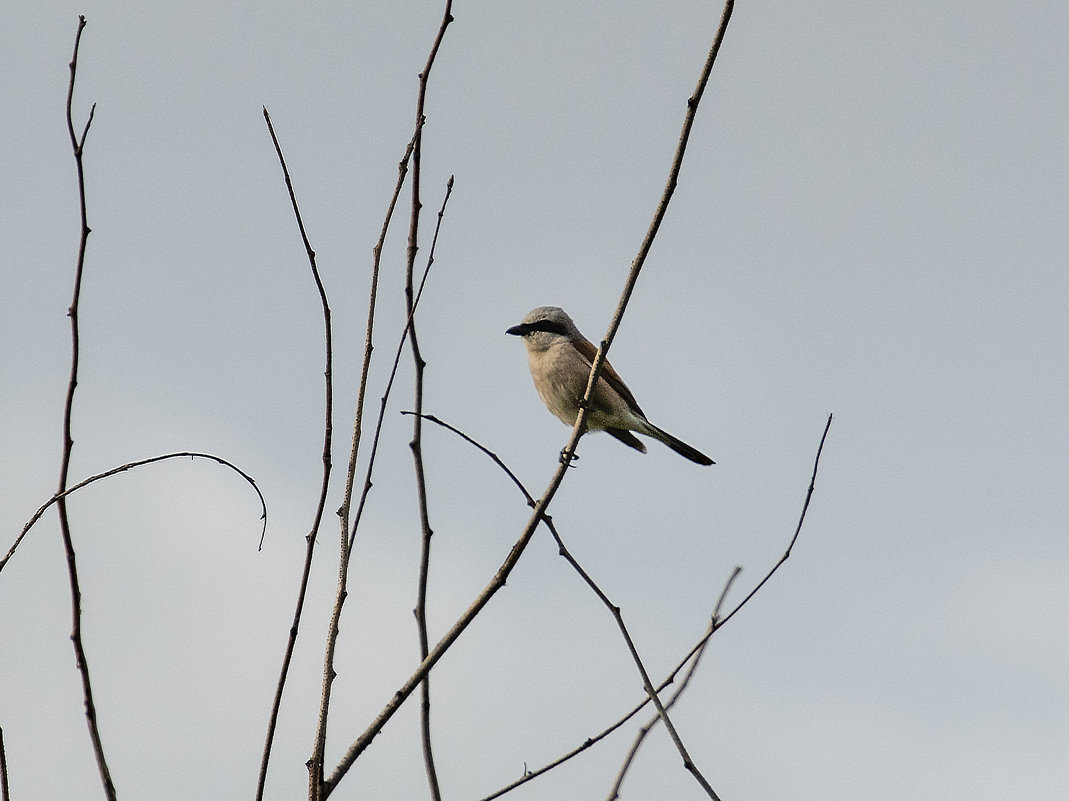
x: 551, y: 326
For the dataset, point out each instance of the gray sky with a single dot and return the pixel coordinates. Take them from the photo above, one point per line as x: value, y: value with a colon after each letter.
x: 870, y: 222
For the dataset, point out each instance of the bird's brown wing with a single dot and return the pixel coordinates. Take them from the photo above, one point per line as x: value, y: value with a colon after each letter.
x: 612, y: 378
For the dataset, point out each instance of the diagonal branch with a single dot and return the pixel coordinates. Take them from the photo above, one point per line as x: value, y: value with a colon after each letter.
x: 496, y: 583
x: 599, y: 359
x: 797, y: 530
x: 651, y: 691
x: 651, y: 232
x: 328, y: 428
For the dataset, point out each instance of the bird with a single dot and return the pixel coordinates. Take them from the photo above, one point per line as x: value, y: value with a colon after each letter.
x: 560, y: 358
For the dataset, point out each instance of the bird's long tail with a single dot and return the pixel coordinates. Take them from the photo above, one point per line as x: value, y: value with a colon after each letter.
x: 678, y: 445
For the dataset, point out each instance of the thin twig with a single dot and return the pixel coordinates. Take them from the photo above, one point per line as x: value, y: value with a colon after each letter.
x: 328, y: 428
x: 651, y: 232
x: 384, y: 400
x: 315, y: 763
x: 644, y: 730
x: 797, y: 530
x: 376, y: 252
x: 695, y: 653
x: 324, y: 788
x: 662, y: 710
x: 592, y: 741
x: 361, y: 743
x: 417, y: 429
x: 318, y: 788
x: 122, y: 469
x: 497, y: 460
x: 77, y: 145
x: 651, y: 691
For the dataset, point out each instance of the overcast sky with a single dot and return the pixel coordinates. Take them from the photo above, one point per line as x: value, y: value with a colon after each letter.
x: 870, y: 221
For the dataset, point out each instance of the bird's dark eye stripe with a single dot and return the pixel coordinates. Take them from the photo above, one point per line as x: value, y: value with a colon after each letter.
x: 552, y: 326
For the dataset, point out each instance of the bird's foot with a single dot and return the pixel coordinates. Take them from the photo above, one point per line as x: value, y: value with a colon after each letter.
x: 567, y: 457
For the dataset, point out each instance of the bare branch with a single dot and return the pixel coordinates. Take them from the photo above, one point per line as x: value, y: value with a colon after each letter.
x: 77, y: 144
x: 640, y: 736
x: 694, y: 654
x: 122, y: 469
x: 484, y: 449
x: 315, y: 763
x: 417, y: 446
x: 328, y: 429
x: 595, y: 369
x: 662, y: 710
x: 318, y: 789
x: 401, y: 695
x: 651, y: 233
x: 797, y: 530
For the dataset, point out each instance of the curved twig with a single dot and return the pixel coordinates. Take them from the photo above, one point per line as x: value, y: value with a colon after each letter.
x: 328, y: 428
x: 59, y: 496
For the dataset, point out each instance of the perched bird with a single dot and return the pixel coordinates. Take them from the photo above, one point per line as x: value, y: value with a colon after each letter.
x: 560, y: 358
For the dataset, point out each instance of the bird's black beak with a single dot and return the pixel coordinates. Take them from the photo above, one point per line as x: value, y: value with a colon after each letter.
x: 519, y: 330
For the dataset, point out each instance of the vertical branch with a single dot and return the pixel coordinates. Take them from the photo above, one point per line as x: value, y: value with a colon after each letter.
x: 318, y: 788
x: 328, y: 428
x: 425, y: 549
x: 77, y: 145
x: 315, y: 763
x: 417, y: 423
